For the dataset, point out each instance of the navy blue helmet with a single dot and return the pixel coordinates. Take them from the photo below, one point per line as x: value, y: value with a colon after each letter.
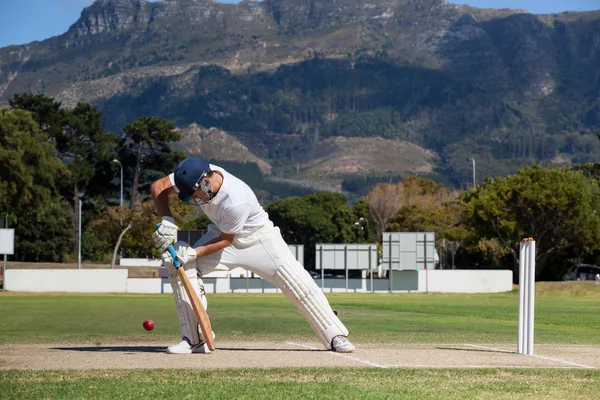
x: 188, y: 176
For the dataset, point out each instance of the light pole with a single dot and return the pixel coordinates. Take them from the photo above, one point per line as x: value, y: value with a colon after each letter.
x: 121, y: 201
x: 472, y: 159
x: 80, y: 195
x: 359, y: 223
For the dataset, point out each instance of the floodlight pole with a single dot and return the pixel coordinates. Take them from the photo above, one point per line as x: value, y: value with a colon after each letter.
x: 80, y: 196
x: 472, y: 159
x: 5, y: 259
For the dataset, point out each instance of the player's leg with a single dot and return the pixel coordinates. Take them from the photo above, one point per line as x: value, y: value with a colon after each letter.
x: 271, y: 258
x: 299, y: 287
x: 192, y: 339
x: 191, y: 335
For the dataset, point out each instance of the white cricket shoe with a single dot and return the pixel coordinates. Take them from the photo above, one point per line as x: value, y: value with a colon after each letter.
x: 185, y: 347
x: 341, y: 344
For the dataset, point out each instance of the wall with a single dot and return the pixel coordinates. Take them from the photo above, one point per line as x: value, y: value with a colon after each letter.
x: 140, y: 262
x: 116, y: 281
x: 465, y: 281
x: 67, y: 280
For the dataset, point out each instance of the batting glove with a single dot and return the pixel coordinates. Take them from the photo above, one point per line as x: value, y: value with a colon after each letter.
x: 167, y: 260
x: 185, y: 254
x: 166, y: 234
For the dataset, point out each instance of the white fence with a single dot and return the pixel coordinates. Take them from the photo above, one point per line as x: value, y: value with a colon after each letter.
x: 117, y: 281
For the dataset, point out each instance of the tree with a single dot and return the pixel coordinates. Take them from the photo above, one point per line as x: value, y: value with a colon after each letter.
x: 83, y: 145
x: 425, y: 192
x: 322, y: 217
x: 46, y: 112
x: 30, y: 173
x: 557, y: 207
x: 453, y: 227
x: 430, y: 207
x: 146, y: 148
x: 384, y: 201
x: 46, y: 233
x: 134, y: 233
x: 590, y: 170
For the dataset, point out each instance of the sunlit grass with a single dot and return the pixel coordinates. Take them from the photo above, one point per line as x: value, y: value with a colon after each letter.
x: 563, y: 315
x: 303, y: 383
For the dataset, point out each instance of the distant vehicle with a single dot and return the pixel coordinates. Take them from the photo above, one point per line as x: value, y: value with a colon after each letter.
x: 316, y: 275
x: 583, y: 272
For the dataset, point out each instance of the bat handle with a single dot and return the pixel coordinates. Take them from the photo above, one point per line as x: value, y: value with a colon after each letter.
x: 176, y: 262
x: 173, y: 253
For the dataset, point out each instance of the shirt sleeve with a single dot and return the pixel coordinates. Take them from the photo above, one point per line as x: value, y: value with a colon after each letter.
x: 234, y: 219
x: 172, y: 179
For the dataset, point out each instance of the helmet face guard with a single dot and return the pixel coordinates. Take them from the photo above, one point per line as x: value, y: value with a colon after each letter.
x: 205, y: 187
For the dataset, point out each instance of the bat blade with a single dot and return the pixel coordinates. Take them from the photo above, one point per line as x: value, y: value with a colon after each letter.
x: 199, y: 311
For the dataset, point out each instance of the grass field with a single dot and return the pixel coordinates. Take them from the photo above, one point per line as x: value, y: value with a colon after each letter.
x: 566, y: 313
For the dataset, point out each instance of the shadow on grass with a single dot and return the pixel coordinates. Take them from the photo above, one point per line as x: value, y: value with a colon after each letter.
x: 162, y: 349
x: 281, y: 350
x: 115, y: 349
x: 476, y: 350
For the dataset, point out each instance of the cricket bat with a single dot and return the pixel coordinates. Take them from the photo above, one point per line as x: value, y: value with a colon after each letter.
x: 199, y: 311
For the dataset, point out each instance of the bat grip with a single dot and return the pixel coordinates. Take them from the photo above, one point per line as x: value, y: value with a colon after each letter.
x: 176, y: 262
x: 173, y: 253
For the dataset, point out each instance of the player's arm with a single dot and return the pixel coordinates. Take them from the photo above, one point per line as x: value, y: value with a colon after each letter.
x: 224, y: 240
x: 160, y: 190
x: 166, y: 234
x: 232, y: 223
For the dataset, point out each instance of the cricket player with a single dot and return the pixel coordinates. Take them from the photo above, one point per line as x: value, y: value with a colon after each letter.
x: 241, y: 235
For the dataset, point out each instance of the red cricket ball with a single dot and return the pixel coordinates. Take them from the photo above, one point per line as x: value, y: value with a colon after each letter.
x: 148, y: 324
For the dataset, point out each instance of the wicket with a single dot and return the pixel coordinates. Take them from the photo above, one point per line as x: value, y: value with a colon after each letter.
x: 526, y: 295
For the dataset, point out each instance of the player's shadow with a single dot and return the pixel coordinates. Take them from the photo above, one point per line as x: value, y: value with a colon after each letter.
x: 254, y: 349
x: 115, y: 349
x: 161, y: 349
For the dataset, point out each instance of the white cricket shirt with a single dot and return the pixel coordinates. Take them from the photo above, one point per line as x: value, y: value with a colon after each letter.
x: 235, y: 209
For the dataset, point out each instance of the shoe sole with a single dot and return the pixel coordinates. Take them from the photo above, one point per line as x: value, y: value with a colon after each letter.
x: 171, y: 352
x: 344, y: 351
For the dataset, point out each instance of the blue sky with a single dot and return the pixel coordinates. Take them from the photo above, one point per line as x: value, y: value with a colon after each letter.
x: 23, y: 21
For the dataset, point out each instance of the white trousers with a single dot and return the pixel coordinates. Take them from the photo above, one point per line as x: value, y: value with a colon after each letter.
x: 266, y: 254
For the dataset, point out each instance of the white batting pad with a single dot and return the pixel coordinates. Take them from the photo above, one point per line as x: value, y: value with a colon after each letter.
x: 188, y: 323
x: 298, y: 286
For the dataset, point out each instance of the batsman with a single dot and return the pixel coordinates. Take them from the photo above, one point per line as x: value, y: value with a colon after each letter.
x: 240, y: 235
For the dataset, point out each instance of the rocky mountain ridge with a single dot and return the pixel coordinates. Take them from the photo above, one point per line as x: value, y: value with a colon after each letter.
x: 506, y: 85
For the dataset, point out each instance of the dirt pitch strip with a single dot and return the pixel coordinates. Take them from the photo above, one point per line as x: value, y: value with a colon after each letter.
x: 294, y: 354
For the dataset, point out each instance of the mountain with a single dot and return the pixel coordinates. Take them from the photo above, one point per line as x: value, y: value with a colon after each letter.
x: 302, y: 83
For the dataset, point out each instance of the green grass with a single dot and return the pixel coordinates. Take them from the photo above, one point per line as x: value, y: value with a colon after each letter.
x: 302, y: 383
x: 564, y: 314
x: 417, y: 318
